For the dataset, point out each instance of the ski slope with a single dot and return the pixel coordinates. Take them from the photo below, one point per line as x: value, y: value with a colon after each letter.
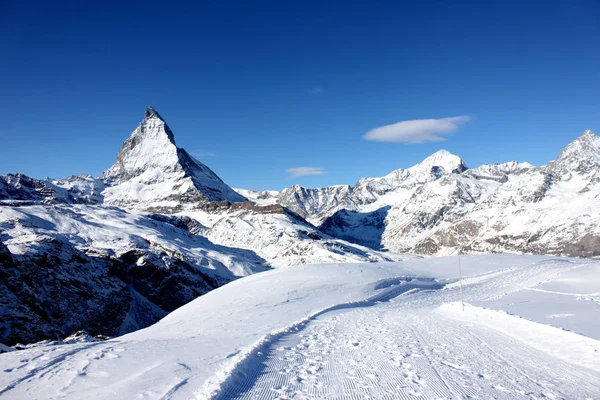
x: 349, y: 331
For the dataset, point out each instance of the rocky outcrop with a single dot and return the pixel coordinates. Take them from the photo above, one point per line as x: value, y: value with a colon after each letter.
x: 21, y: 188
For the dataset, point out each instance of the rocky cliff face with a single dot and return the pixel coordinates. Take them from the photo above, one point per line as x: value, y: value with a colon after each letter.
x: 19, y: 189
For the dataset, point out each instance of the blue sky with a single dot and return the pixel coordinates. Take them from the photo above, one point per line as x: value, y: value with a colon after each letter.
x: 257, y: 88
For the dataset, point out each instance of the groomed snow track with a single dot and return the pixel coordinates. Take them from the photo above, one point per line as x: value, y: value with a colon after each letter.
x: 396, y: 346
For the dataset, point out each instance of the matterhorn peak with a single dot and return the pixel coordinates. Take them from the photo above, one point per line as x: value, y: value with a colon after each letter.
x: 152, y: 172
x: 150, y: 146
x: 154, y: 125
x: 152, y: 113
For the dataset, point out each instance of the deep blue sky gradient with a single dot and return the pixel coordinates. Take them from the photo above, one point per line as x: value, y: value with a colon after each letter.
x: 237, y: 80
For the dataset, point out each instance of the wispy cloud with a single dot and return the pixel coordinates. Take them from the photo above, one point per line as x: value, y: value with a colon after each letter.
x: 317, y: 90
x: 202, y: 154
x: 417, y: 130
x: 304, y: 171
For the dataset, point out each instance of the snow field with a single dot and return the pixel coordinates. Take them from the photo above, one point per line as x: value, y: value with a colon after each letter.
x: 341, y: 331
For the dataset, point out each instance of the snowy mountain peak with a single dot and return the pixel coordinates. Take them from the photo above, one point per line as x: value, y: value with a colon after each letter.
x: 581, y: 155
x: 152, y: 113
x: 587, y: 142
x: 442, y: 153
x: 587, y: 133
x: 152, y: 172
x: 150, y: 146
x: 451, y: 163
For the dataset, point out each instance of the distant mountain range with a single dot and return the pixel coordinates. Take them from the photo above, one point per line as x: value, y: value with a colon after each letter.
x: 116, y: 253
x: 441, y: 207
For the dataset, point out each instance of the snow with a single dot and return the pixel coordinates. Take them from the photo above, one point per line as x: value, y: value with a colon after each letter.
x: 499, y: 171
x: 80, y: 188
x: 566, y: 346
x: 152, y: 151
x: 441, y: 158
x: 438, y: 207
x: 111, y: 231
x: 151, y: 172
x: 260, y: 197
x: 358, y: 330
x: 376, y: 330
x: 284, y: 240
x: 566, y: 302
x: 316, y: 204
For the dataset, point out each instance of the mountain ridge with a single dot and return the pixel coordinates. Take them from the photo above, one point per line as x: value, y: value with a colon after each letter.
x: 433, y: 213
x: 158, y: 215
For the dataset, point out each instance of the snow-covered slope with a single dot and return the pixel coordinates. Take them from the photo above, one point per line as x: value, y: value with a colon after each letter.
x: 440, y: 207
x: 499, y: 172
x: 316, y: 204
x: 386, y: 330
x: 285, y: 239
x: 550, y: 210
x: 71, y: 267
x: 262, y: 197
x: 152, y: 173
x: 579, y: 158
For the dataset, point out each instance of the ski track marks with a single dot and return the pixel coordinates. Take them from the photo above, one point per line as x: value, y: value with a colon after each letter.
x: 399, y: 348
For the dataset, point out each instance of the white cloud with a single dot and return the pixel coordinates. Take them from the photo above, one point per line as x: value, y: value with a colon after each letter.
x: 416, y: 130
x: 304, y: 171
x: 317, y: 90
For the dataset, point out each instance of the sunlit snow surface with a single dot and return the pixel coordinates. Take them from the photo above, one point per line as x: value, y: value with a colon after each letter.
x: 350, y: 331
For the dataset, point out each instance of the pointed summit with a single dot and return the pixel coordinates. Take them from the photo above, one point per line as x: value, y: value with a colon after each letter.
x: 581, y: 155
x: 150, y: 146
x: 152, y: 113
x: 151, y: 172
x: 587, y: 133
x: 588, y: 144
